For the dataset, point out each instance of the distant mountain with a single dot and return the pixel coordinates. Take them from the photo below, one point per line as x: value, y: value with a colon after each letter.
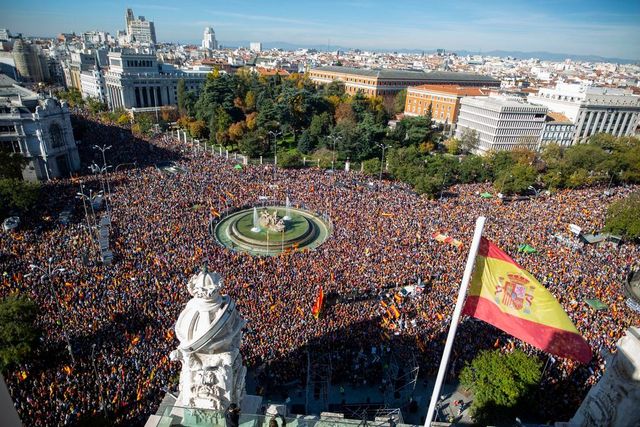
x: 545, y: 56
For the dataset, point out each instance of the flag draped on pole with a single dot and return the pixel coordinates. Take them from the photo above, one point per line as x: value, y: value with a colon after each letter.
x: 317, y: 307
x: 510, y: 298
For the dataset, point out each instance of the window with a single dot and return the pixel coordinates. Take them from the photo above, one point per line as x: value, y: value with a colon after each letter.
x: 57, y: 137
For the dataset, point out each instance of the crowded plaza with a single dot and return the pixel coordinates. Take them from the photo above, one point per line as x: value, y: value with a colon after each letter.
x: 118, y: 319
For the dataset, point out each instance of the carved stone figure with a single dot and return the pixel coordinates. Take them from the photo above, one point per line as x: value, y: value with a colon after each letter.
x: 271, y: 221
x: 210, y: 331
x: 613, y: 401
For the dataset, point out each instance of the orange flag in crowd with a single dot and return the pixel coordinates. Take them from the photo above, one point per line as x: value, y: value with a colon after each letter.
x: 511, y: 299
x: 317, y: 307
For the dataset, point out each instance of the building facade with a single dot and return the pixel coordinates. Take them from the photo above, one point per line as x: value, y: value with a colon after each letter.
x: 209, y: 39
x: 388, y: 82
x: 593, y: 109
x: 137, y: 80
x: 444, y: 100
x: 501, y: 123
x: 39, y: 129
x: 93, y: 85
x: 558, y: 129
x: 30, y: 64
x: 139, y: 30
x: 255, y: 47
x: 80, y: 62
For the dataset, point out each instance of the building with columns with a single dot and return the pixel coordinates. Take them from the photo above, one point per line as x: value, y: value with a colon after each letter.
x: 138, y: 80
x: 592, y: 109
x: 501, y: 123
x: 39, y: 129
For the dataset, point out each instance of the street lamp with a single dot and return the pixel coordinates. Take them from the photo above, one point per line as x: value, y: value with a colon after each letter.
x: 534, y: 189
x: 334, y: 138
x: 275, y: 135
x: 48, y: 273
x: 102, y: 171
x: 384, y: 147
x: 104, y: 163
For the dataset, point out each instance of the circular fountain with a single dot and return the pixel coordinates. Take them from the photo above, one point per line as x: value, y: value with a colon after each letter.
x: 271, y: 230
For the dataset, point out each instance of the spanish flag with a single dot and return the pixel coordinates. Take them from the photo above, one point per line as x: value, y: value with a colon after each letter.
x: 317, y: 307
x: 511, y: 299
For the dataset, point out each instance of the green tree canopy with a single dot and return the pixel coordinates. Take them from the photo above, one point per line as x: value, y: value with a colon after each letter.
x: 18, y: 334
x: 17, y: 195
x: 501, y: 383
x: 623, y: 217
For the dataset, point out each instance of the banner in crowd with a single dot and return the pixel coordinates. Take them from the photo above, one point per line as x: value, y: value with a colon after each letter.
x: 511, y: 299
x: 443, y: 238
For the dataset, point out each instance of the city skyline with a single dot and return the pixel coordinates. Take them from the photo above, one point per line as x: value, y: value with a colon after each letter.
x: 572, y: 27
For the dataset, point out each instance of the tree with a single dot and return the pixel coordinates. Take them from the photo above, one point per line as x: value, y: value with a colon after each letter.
x: 96, y: 106
x: 516, y: 179
x: 502, y: 384
x: 198, y: 129
x: 469, y: 140
x: 181, y: 97
x: 290, y: 159
x: 473, y: 169
x: 400, y: 100
x: 371, y: 166
x: 18, y: 334
x: 253, y: 145
x: 452, y: 145
x: 11, y: 165
x: 17, y: 195
x: 623, y: 218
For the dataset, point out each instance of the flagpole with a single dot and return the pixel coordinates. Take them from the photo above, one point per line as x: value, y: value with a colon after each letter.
x: 473, y: 251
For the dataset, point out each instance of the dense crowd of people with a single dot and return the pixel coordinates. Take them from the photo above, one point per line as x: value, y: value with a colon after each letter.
x: 119, y: 318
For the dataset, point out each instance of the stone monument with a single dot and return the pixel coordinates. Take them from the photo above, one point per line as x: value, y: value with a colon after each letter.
x: 613, y: 401
x: 209, y: 330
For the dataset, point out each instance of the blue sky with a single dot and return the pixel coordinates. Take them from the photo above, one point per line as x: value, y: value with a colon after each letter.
x: 608, y: 28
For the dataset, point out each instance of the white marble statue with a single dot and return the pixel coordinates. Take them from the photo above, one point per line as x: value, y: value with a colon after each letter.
x: 209, y: 330
x: 614, y: 400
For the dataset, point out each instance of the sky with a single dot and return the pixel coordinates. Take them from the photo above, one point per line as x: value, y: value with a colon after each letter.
x: 609, y: 28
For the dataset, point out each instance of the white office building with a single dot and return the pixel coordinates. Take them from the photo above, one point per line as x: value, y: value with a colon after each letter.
x: 139, y: 30
x: 209, y: 39
x: 255, y: 47
x: 592, y: 109
x: 39, y: 129
x: 501, y: 123
x: 93, y: 85
x: 137, y: 80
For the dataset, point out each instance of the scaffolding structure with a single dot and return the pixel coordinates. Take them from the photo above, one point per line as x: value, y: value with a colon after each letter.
x: 401, y: 377
x: 318, y: 380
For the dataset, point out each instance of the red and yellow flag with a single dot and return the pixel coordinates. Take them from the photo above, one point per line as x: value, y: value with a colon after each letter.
x: 317, y: 307
x: 511, y: 299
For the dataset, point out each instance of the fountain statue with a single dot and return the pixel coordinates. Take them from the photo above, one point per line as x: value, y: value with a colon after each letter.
x: 209, y: 330
x: 271, y: 222
x: 287, y: 216
x: 256, y: 223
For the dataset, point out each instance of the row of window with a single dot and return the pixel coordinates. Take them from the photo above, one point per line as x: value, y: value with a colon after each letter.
x: 139, y: 63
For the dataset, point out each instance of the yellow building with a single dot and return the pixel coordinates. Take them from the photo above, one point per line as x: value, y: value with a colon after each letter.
x: 444, y: 100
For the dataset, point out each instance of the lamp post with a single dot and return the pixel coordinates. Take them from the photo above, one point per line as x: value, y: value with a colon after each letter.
x: 102, y: 171
x: 48, y: 273
x: 384, y: 147
x: 334, y: 138
x: 275, y: 135
x: 104, y: 163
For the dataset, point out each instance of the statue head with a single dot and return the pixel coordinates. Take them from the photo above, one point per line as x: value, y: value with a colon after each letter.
x: 205, y: 284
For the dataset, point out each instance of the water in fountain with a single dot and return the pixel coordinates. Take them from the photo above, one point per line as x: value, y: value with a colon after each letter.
x: 287, y: 217
x: 256, y: 224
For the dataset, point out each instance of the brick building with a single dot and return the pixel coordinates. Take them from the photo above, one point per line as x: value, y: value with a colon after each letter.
x: 388, y: 82
x: 443, y: 99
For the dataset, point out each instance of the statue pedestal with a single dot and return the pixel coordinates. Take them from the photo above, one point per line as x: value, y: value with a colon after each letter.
x: 613, y: 401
